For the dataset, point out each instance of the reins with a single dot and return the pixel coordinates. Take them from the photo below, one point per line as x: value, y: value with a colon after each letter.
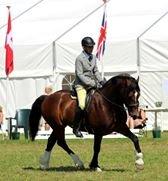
x: 110, y: 100
x: 131, y: 105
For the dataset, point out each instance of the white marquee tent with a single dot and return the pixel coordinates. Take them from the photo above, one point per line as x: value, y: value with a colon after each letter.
x: 46, y: 41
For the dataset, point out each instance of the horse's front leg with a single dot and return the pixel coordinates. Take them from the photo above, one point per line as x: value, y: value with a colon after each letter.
x: 94, y: 163
x: 138, y: 154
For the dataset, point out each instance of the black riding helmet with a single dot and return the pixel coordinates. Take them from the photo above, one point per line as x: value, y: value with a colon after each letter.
x: 87, y: 41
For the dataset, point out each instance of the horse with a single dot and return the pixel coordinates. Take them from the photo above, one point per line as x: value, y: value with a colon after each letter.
x: 106, y: 112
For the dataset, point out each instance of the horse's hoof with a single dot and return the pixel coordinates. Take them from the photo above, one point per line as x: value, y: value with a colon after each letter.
x: 96, y: 169
x: 80, y: 167
x: 44, y: 167
x: 139, y: 167
x: 139, y: 163
x: 43, y: 164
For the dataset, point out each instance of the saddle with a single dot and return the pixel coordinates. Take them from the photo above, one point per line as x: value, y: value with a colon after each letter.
x: 84, y: 126
x: 90, y: 92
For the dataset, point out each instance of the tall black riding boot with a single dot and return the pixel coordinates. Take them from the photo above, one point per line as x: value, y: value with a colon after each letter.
x: 77, y: 121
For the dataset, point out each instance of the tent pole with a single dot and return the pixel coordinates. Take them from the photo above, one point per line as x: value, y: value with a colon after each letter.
x: 81, y: 20
x: 138, y: 57
x: 25, y: 11
x: 155, y: 22
x: 54, y: 61
x: 138, y: 42
x: 54, y: 56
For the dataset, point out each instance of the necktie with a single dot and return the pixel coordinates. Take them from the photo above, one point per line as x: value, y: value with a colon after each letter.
x: 90, y: 57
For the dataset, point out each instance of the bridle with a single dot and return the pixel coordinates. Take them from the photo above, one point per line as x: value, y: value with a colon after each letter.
x: 133, y: 105
x: 121, y: 107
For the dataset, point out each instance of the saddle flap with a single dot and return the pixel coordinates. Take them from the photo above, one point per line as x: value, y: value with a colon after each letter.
x: 88, y: 98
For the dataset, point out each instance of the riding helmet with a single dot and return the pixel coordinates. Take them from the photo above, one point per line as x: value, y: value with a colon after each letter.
x: 87, y: 41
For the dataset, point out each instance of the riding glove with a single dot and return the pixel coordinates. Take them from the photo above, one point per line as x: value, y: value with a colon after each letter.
x: 98, y: 86
x: 103, y: 82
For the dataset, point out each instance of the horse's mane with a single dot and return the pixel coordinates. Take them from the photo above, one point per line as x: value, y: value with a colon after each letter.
x: 122, y: 75
x: 113, y: 80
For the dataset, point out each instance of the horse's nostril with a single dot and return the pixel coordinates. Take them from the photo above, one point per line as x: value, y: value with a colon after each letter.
x: 134, y: 117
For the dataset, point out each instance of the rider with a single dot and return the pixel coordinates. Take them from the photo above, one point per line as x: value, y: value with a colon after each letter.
x: 86, y: 76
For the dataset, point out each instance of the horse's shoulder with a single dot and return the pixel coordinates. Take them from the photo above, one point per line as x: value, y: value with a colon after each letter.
x: 96, y: 96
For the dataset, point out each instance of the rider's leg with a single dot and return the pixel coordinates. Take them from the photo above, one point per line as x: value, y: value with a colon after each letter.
x: 76, y: 122
x: 81, y: 93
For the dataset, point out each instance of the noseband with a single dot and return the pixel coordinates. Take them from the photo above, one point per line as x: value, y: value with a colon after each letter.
x: 133, y: 105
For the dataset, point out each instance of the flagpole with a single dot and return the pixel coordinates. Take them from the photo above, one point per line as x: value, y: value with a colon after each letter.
x: 102, y: 62
x: 7, y: 94
x: 7, y: 82
x: 102, y: 68
x: 9, y: 57
x: 102, y: 40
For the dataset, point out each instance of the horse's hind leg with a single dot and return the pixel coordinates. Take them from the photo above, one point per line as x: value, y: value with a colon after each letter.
x: 138, y: 154
x: 45, y: 158
x: 62, y: 143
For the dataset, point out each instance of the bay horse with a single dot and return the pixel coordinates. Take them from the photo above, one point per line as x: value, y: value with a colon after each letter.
x: 105, y: 113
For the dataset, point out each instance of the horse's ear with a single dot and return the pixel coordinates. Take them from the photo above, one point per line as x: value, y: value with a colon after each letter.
x: 138, y: 79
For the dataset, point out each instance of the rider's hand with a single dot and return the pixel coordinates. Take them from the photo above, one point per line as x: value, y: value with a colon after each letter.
x: 102, y: 82
x: 98, y: 86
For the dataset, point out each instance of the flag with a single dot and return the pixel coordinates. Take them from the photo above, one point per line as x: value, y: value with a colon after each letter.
x: 9, y: 47
x: 102, y: 36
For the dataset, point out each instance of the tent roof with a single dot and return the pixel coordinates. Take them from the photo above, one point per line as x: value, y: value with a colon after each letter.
x: 37, y: 23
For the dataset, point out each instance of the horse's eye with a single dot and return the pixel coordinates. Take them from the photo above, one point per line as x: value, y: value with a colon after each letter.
x: 131, y: 94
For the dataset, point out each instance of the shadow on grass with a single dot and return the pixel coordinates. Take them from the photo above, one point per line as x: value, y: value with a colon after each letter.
x: 73, y: 169
x: 116, y: 170
x: 55, y: 169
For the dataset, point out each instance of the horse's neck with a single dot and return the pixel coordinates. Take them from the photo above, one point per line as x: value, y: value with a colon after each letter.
x: 112, y: 94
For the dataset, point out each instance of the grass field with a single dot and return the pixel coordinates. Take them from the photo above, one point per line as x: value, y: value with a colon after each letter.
x: 19, y: 160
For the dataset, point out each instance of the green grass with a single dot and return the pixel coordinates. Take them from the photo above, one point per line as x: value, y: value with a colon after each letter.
x: 19, y: 160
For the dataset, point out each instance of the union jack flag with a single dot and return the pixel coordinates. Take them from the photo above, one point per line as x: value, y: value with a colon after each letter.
x: 102, y: 37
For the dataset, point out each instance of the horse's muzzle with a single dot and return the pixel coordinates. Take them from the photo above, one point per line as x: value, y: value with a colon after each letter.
x: 134, y: 114
x: 134, y: 117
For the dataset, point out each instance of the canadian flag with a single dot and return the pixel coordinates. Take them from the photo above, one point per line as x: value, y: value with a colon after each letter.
x: 9, y: 47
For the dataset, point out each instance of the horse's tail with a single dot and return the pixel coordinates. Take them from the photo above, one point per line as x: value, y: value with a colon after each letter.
x: 35, y: 115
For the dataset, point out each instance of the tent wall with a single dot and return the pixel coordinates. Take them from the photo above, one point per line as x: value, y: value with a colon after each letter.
x: 20, y: 92
x: 28, y: 59
x: 120, y: 56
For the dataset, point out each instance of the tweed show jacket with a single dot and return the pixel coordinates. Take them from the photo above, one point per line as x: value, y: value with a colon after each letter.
x: 86, y: 71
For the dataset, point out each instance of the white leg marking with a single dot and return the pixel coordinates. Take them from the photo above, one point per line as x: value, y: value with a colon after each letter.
x: 98, y: 169
x: 139, y: 161
x: 44, y: 160
x: 78, y: 163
